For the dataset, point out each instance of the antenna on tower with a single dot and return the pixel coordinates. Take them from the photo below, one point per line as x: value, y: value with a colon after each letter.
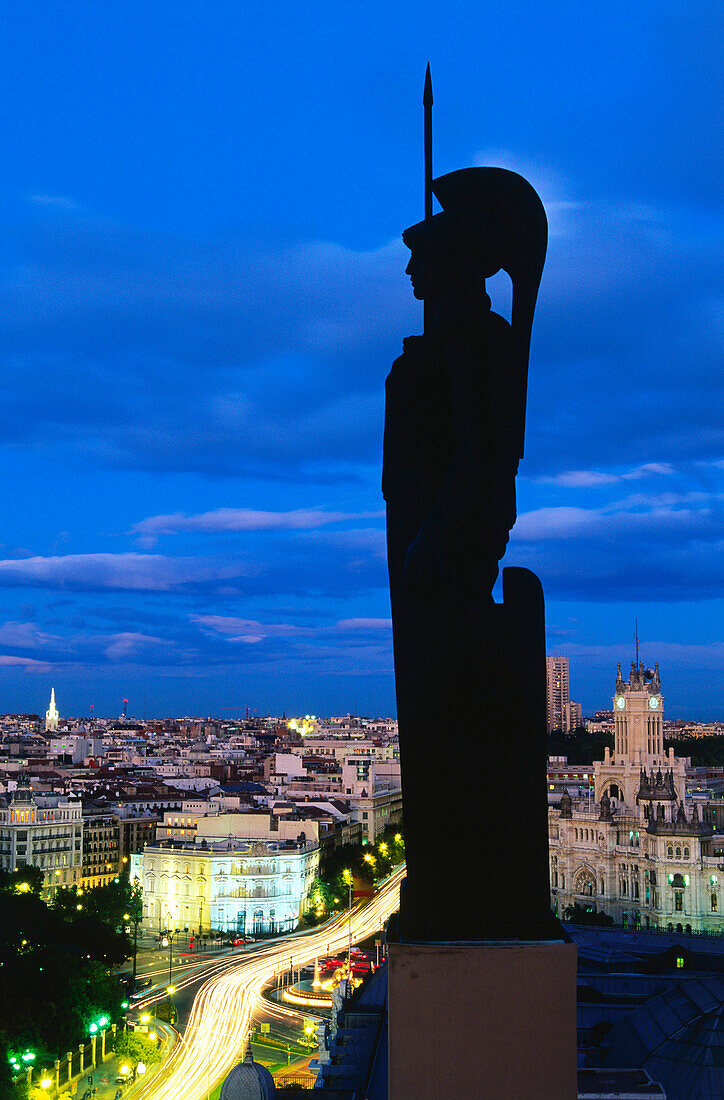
x: 636, y: 636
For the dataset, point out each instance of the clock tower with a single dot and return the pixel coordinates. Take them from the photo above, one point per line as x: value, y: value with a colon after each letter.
x: 638, y: 744
x: 638, y: 708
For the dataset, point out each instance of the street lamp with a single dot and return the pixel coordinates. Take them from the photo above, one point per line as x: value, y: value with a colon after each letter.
x: 136, y: 920
x: 168, y: 939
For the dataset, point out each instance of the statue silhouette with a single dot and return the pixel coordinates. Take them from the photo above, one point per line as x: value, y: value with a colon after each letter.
x: 470, y: 674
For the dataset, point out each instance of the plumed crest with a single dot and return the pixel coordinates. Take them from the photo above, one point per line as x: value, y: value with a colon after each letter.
x: 503, y: 198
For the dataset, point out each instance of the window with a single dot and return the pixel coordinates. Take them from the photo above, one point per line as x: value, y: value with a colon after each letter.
x: 678, y: 901
x: 686, y: 853
x: 670, y: 851
x: 678, y: 852
x: 714, y: 903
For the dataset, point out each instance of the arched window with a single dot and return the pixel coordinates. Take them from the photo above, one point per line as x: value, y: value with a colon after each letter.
x: 678, y: 852
x: 585, y: 883
x: 670, y: 851
x: 686, y: 853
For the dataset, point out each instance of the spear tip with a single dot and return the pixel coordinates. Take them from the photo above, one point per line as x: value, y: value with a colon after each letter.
x: 427, y: 94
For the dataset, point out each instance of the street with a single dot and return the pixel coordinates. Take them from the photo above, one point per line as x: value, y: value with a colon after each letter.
x: 222, y: 1010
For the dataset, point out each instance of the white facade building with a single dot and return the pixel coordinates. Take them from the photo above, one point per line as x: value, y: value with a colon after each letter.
x: 228, y: 879
x: 640, y: 850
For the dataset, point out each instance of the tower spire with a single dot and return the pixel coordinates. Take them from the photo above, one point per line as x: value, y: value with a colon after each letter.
x: 51, y: 714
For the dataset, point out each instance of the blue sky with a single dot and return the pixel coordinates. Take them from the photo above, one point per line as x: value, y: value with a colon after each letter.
x: 201, y: 291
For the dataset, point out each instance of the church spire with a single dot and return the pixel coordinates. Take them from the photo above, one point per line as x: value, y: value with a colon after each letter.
x: 51, y: 714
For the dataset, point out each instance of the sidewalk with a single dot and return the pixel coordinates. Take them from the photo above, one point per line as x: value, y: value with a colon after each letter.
x: 104, y: 1076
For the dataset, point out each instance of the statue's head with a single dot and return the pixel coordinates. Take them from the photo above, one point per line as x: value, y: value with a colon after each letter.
x: 491, y: 219
x: 452, y: 253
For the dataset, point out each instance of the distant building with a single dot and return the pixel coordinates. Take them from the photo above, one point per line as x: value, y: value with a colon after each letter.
x: 562, y: 712
x: 641, y: 849
x: 45, y: 831
x: 101, y: 847
x: 51, y: 714
x: 573, y: 716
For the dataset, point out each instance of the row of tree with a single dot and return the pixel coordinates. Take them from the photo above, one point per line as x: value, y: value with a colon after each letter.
x: 358, y: 865
x: 56, y: 964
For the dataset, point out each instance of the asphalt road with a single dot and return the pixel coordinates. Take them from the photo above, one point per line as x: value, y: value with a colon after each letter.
x: 225, y: 994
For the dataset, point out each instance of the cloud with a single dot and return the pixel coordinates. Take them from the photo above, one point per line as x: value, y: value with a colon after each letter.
x: 245, y: 519
x: 27, y: 663
x: 587, y: 479
x: 268, y: 358
x: 62, y: 202
x: 25, y: 636
x: 126, y: 571
x: 364, y: 624
x: 125, y: 645
x: 244, y: 629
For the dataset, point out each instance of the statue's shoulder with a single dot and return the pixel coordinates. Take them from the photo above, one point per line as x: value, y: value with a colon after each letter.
x: 414, y: 350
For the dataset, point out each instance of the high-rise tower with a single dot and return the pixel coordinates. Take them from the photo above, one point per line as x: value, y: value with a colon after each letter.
x: 51, y: 714
x: 558, y: 697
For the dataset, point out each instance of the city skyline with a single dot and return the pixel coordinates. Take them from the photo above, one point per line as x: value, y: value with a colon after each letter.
x: 203, y: 290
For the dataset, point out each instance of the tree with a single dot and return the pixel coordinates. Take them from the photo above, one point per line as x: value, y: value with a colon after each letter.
x: 26, y: 880
x: 135, y: 1046
x: 581, y: 914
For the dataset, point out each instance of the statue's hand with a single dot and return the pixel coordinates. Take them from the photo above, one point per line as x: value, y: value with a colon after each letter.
x: 425, y: 561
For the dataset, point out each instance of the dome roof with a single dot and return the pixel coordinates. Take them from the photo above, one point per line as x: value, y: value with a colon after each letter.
x: 248, y: 1081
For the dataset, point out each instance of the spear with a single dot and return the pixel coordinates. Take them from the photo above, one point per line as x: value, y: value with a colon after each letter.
x: 427, y: 105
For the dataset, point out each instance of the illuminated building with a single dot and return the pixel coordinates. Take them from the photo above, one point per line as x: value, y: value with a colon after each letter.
x: 51, y: 714
x: 638, y: 847
x: 101, y: 847
x: 228, y: 879
x: 45, y: 831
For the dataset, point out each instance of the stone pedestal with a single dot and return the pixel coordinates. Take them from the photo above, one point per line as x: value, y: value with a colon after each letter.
x: 491, y: 1019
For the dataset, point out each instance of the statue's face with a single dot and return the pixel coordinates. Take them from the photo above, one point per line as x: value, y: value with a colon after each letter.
x: 420, y: 271
x: 441, y: 268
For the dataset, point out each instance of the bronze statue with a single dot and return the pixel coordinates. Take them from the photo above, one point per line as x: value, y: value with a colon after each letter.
x: 454, y: 426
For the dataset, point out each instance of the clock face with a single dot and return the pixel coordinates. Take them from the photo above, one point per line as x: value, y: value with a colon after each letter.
x: 620, y: 702
x: 653, y: 702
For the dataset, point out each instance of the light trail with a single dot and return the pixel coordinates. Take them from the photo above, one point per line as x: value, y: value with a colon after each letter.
x: 223, y: 1009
